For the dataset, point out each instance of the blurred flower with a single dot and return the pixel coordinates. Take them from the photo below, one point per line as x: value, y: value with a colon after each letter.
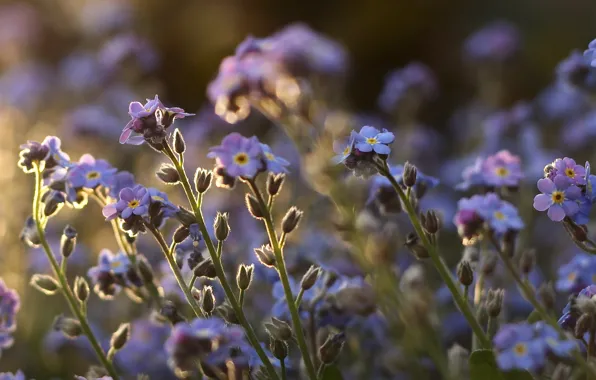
x: 25, y: 85
x: 109, y: 276
x: 132, y: 201
x: 124, y: 47
x: 95, y: 120
x: 19, y: 29
x: 9, y: 306
x: 119, y: 181
x: 19, y: 375
x: 468, y: 221
x: 497, y: 42
x: 55, y: 157
x: 502, y: 169
x: 238, y: 155
x: 274, y: 164
x: 558, y: 197
x: 80, y: 72
x: 570, y: 313
x: 518, y: 349
x: 576, y: 73
x: 413, y: 84
x: 103, y: 17
x: 576, y: 274
x: 343, y: 149
x: 501, y: 216
x: 89, y: 173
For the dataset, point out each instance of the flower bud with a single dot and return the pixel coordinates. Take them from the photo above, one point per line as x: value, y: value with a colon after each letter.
x: 29, y: 233
x: 275, y: 183
x: 203, y: 180
x: 44, y: 283
x: 221, y: 226
x: 265, y: 256
x: 331, y: 349
x: 53, y: 201
x: 81, y: 289
x: 279, y: 348
x: 120, y: 337
x: 494, y: 302
x: 409, y: 174
x: 206, y: 268
x: 310, y: 277
x: 253, y: 206
x: 416, y: 247
x: 527, y: 261
x: 168, y: 174
x: 180, y: 234
x: 145, y: 270
x: 71, y: 328
x: 170, y: 312
x: 279, y: 329
x: 291, y: 220
x: 547, y: 294
x: 244, y: 276
x: 208, y: 300
x: 431, y: 223
x: 185, y: 217
x: 68, y: 241
x: 465, y: 274
x: 179, y: 144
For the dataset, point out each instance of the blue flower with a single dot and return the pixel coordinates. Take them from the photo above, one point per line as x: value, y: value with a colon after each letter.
x: 559, y: 197
x: 90, y: 173
x: 55, y: 154
x: 119, y: 181
x: 132, y: 201
x: 371, y: 139
x: 569, y: 316
x: 19, y: 375
x: 561, y: 348
x: 9, y: 306
x: 109, y: 275
x: 274, y: 164
x: 168, y: 208
x: 523, y: 355
x: 501, y: 216
x: 120, y: 263
x: 343, y: 149
x: 238, y: 155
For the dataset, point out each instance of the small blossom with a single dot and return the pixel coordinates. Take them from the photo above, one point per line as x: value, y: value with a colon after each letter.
x: 501, y: 216
x: 132, y: 201
x: 89, y: 173
x: 9, y: 306
x: 119, y: 181
x: 55, y: 155
x: 414, y: 83
x: 576, y: 274
x: 568, y: 168
x: 238, y: 155
x: 558, y: 197
x: 109, y: 275
x: 468, y: 220
x: 497, y: 42
x: 371, y: 139
x: 570, y: 313
x: 343, y: 149
x: 32, y: 152
x: 19, y: 375
x: 502, y: 169
x: 274, y: 164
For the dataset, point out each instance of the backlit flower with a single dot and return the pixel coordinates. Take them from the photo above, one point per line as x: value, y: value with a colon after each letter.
x: 371, y: 139
x: 238, y: 155
x: 558, y: 197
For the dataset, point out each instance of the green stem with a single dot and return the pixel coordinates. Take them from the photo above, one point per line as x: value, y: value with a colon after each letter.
x: 320, y: 371
x: 169, y: 254
x: 439, y: 264
x: 282, y: 364
x: 492, y: 327
x: 241, y: 297
x: 467, y: 294
x: 191, y: 284
x: 67, y: 291
x: 283, y: 275
x: 219, y: 270
x: 299, y: 297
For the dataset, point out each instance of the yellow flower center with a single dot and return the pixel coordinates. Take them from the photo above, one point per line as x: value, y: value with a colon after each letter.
x: 346, y: 151
x: 134, y: 203
x: 269, y: 156
x: 241, y: 159
x: 93, y: 175
x: 570, y: 173
x: 115, y: 264
x: 501, y: 171
x: 157, y: 198
x: 499, y: 215
x: 572, y: 276
x: 371, y: 140
x: 558, y: 197
x: 520, y: 349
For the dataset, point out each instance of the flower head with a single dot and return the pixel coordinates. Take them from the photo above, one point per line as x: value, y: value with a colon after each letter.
x: 89, y: 173
x: 502, y: 169
x: 238, y: 155
x: 9, y: 306
x: 274, y: 164
x: 577, y: 273
x: 570, y: 313
x: 55, y: 157
x: 501, y: 216
x: 343, y: 149
x: 468, y: 220
x: 497, y: 42
x: 19, y: 375
x: 32, y: 152
x: 568, y: 168
x: 371, y: 139
x: 110, y: 274
x: 414, y: 83
x: 559, y: 197
x: 132, y: 201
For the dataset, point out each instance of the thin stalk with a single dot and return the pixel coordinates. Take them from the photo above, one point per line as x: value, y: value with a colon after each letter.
x: 241, y: 297
x: 299, y: 297
x: 283, y: 276
x: 219, y: 270
x: 478, y: 288
x: 169, y: 254
x: 312, y: 333
x: 467, y: 294
x: 492, y: 327
x: 67, y: 291
x: 439, y: 264
x: 282, y: 364
x: 320, y: 371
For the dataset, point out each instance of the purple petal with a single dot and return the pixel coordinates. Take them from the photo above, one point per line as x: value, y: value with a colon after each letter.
x: 136, y: 140
x: 570, y: 207
x: 356, y: 137
x: 573, y: 193
x: 385, y: 137
x: 87, y: 159
x: 109, y: 211
x: 140, y: 210
x: 542, y: 202
x: 556, y: 213
x: 126, y: 133
x: 134, y: 108
x: 546, y: 186
x: 127, y: 194
x: 128, y: 212
x: 562, y: 182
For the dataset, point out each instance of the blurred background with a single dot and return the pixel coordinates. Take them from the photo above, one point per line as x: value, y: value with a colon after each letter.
x: 70, y: 67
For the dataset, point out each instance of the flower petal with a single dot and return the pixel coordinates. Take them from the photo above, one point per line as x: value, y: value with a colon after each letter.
x: 381, y: 149
x: 368, y: 131
x: 542, y: 202
x: 364, y: 147
x: 546, y: 186
x: 385, y: 137
x: 570, y: 207
x: 556, y: 213
x: 126, y: 213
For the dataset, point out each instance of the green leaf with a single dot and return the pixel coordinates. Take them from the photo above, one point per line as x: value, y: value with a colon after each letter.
x: 534, y: 317
x: 483, y: 366
x: 331, y: 372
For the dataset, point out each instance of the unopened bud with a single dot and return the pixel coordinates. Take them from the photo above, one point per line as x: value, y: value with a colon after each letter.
x: 53, y: 201
x: 168, y: 174
x: 431, y: 223
x: 310, y: 277
x: 29, y: 234
x: 291, y: 220
x: 181, y: 234
x: 527, y: 261
x: 244, y: 276
x: 71, y: 328
x: 494, y: 302
x: 331, y: 349
x: 457, y: 357
x: 583, y: 325
x: 578, y: 232
x: 179, y: 144
x: 208, y: 300
x: 265, y: 256
x: 145, y: 270
x: 203, y: 180
x: 68, y: 241
x: 81, y: 289
x: 253, y: 206
x: 416, y: 247
x: 221, y: 226
x: 170, y: 312
x: 409, y: 174
x: 279, y: 348
x: 279, y: 329
x: 547, y: 294
x: 274, y: 183
x: 205, y: 269
x: 120, y: 337
x: 465, y: 274
x: 185, y: 217
x: 45, y: 284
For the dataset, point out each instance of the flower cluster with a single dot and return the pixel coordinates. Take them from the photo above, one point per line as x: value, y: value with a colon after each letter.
x: 482, y: 213
x: 9, y: 306
x: 501, y: 170
x: 572, y: 311
x: 359, y: 151
x: 112, y: 273
x: 577, y: 274
x: 526, y: 346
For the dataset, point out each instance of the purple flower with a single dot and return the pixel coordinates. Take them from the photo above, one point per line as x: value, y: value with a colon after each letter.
x: 168, y: 209
x: 468, y: 221
x: 132, y: 201
x: 119, y: 181
x: 567, y: 167
x: 414, y: 83
x: 519, y: 349
x: 371, y: 139
x: 90, y: 173
x: 9, y: 306
x: 559, y: 197
x: 109, y: 275
x: 127, y: 46
x: 80, y: 71
x: 32, y: 152
x: 576, y: 274
x: 55, y: 155
x: 274, y: 164
x: 238, y: 155
x: 576, y: 73
x: 19, y: 375
x: 570, y: 314
x: 502, y: 169
x: 497, y: 42
x: 501, y: 216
